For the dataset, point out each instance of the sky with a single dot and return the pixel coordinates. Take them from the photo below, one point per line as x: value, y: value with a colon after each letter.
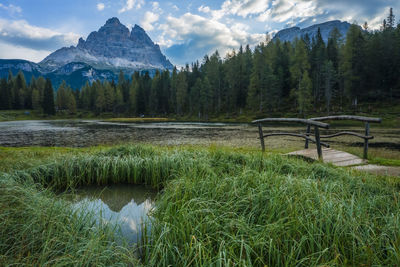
x: 186, y: 30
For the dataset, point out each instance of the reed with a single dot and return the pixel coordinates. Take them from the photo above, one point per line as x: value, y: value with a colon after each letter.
x: 217, y: 207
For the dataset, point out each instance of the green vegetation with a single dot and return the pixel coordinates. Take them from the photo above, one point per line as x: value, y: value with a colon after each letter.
x: 217, y: 207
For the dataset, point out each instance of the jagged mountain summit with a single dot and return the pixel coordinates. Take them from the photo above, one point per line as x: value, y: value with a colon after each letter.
x: 112, y: 47
x: 290, y: 34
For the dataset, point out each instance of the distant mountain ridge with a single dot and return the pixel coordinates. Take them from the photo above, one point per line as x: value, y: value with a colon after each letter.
x: 290, y: 34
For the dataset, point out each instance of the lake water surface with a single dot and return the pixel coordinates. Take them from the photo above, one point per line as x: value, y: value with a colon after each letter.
x: 82, y: 133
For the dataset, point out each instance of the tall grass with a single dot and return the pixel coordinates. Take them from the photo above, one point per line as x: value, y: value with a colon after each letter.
x: 37, y: 229
x: 217, y: 208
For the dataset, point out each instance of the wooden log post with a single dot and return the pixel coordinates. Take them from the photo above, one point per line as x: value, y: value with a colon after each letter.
x: 260, y: 131
x: 318, y: 141
x: 308, y: 135
x: 366, y: 140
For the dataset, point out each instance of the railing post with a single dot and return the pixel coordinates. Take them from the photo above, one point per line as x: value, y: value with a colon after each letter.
x: 318, y: 141
x: 366, y: 140
x: 308, y: 135
x: 260, y: 131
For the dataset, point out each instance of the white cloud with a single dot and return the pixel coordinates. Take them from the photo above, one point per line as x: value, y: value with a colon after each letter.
x: 26, y: 37
x: 11, y: 8
x: 148, y: 20
x: 9, y: 51
x: 204, y: 9
x: 175, y: 7
x: 204, y: 33
x: 290, y: 10
x: 156, y: 7
x: 21, y: 28
x: 130, y: 4
x: 245, y: 8
x: 100, y: 6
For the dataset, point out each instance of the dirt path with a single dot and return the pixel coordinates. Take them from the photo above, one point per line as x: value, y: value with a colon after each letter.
x: 379, y: 170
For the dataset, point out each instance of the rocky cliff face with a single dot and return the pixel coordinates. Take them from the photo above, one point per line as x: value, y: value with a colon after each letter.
x: 112, y: 47
x: 290, y: 34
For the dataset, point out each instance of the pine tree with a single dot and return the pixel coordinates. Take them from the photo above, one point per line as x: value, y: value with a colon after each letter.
x: 40, y: 85
x: 155, y: 89
x: 329, y: 82
x: 212, y: 69
x: 299, y: 66
x: 100, y: 99
x: 62, y: 97
x: 390, y: 23
x: 109, y: 96
x: 36, y: 99
x: 353, y: 64
x: 172, y: 97
x: 304, y: 94
x: 19, y: 89
x: 118, y: 100
x: 71, y: 103
x: 196, y: 101
x: 48, y: 99
x: 133, y: 89
x: 206, y: 96
x: 318, y: 57
x: 5, y: 98
x: 181, y: 92
x: 84, y: 97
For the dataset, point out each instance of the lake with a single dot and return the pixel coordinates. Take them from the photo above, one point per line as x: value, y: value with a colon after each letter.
x: 83, y: 133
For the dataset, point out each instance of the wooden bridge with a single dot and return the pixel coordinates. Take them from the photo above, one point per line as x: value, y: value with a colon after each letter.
x: 338, y: 158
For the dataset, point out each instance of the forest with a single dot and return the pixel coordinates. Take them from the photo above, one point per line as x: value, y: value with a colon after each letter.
x: 353, y: 73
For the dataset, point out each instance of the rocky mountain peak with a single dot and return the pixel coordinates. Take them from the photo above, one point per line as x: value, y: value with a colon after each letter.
x: 113, y: 21
x: 138, y: 35
x: 113, y: 46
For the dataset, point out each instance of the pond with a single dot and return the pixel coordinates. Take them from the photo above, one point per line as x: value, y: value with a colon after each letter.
x: 124, y: 206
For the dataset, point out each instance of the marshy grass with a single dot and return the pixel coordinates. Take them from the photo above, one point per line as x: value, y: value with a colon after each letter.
x: 216, y: 207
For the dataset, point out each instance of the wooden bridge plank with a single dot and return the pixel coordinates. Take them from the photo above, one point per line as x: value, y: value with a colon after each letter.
x: 336, y: 157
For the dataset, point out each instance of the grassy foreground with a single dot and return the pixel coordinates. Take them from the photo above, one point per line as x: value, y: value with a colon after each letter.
x: 217, y: 207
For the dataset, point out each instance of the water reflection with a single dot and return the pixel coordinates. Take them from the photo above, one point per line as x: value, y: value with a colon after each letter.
x: 126, y: 206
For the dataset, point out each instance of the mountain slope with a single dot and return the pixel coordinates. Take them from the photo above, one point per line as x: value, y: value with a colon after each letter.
x: 290, y: 34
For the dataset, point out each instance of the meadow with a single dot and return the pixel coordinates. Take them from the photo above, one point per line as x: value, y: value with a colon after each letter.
x: 216, y: 207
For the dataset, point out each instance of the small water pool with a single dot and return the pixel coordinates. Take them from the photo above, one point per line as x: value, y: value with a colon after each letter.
x: 125, y: 206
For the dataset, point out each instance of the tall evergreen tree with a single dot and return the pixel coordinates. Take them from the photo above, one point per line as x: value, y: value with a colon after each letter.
x: 5, y: 97
x: 390, y: 22
x: 181, y: 92
x: 48, y: 99
x: 304, y: 94
x: 353, y: 64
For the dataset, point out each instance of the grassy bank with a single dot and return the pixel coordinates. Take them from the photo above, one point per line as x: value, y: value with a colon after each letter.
x: 217, y: 206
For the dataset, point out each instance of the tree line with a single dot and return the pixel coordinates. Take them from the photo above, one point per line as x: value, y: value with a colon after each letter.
x: 306, y: 75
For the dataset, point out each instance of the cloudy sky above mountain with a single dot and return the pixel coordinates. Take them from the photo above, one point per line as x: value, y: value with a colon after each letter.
x: 186, y: 30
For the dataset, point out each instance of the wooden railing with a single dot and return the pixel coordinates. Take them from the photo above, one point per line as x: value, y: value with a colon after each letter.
x: 309, y: 123
x: 366, y: 137
x: 316, y: 122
